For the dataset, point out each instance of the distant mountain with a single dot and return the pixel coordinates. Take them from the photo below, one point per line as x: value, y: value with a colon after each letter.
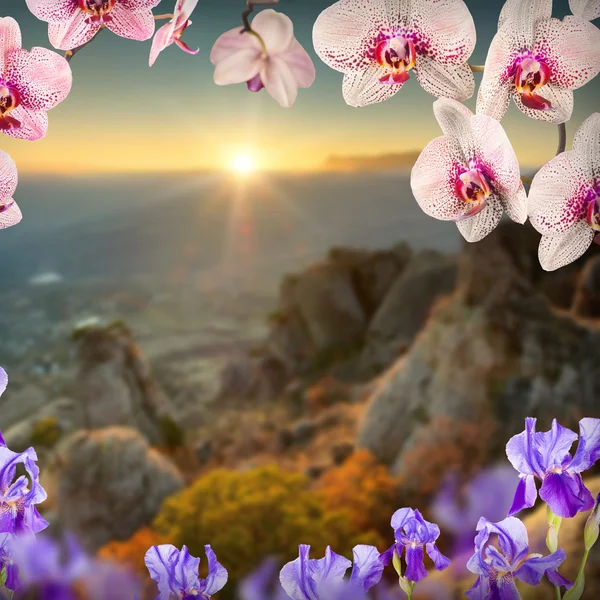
x: 400, y: 161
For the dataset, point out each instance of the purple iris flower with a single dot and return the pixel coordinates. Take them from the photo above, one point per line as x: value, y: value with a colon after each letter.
x: 7, y: 561
x: 546, y: 456
x: 498, y: 567
x: 316, y: 579
x: 49, y: 568
x: 413, y: 533
x: 18, y: 513
x: 262, y: 584
x: 176, y: 573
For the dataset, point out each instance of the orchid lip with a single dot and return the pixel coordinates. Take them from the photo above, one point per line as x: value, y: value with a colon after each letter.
x: 531, y: 73
x: 592, y: 199
x: 99, y: 10
x: 473, y: 187
x: 398, y: 56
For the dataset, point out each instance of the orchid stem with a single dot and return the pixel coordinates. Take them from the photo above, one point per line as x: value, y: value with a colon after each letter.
x: 477, y: 68
x: 562, y: 138
x: 160, y: 17
x: 251, y: 4
x: 69, y: 54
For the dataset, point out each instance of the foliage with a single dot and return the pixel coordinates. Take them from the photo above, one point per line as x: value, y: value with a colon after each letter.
x: 172, y: 434
x: 46, y: 433
x: 247, y: 516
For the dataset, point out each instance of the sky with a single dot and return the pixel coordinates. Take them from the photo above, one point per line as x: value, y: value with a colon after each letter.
x: 123, y: 116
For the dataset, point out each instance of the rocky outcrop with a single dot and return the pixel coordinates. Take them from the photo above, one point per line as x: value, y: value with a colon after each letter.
x: 496, y: 350
x: 115, y: 384
x: 586, y: 302
x: 20, y: 404
x: 406, y: 307
x: 111, y: 483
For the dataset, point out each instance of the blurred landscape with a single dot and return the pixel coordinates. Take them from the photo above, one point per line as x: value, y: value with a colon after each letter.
x: 248, y: 343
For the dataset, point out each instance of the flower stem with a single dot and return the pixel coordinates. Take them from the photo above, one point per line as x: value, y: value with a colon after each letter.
x: 477, y: 68
x: 69, y: 54
x: 576, y: 592
x: 562, y: 138
x: 161, y: 17
x: 251, y: 4
x: 557, y: 591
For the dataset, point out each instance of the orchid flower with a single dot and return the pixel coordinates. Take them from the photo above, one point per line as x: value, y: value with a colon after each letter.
x: 585, y: 9
x: 564, y: 199
x: 268, y: 56
x: 471, y: 174
x: 171, y: 32
x: 545, y: 456
x: 10, y: 214
x: 376, y: 43
x: 31, y: 83
x: 538, y: 61
x: 73, y: 23
x: 417, y: 536
x: 176, y: 573
x: 499, y: 567
x: 310, y: 579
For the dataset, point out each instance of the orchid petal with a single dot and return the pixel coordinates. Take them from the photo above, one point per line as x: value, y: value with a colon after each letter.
x: 52, y: 11
x: 275, y: 29
x: 344, y: 32
x: 10, y: 39
x: 572, y: 49
x: 557, y: 197
x: 587, y: 146
x: 238, y: 67
x: 8, y: 184
x: 300, y: 64
x: 433, y: 181
x: 515, y: 205
x: 139, y: 5
x: 586, y: 9
x: 231, y: 42
x: 474, y: 229
x: 34, y: 124
x: 361, y: 88
x: 588, y: 450
x: 162, y: 39
x: 9, y: 215
x: 131, y: 24
x: 559, y: 250
x: 520, y: 18
x: 73, y: 32
x: 43, y: 77
x: 560, y: 99
x: 441, y: 80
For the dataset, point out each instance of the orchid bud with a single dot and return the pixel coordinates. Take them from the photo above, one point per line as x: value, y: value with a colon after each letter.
x: 592, y: 526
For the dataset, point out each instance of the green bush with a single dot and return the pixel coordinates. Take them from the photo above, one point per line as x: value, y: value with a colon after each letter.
x: 45, y: 433
x: 248, y: 516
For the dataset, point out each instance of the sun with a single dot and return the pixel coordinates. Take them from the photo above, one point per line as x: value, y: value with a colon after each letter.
x: 243, y: 164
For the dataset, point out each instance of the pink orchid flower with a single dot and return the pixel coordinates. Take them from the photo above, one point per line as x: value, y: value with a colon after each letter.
x: 269, y: 56
x: 471, y: 174
x: 585, y: 9
x: 72, y: 23
x: 564, y: 200
x: 31, y: 83
x: 377, y: 43
x: 171, y: 32
x: 10, y: 213
x: 538, y: 61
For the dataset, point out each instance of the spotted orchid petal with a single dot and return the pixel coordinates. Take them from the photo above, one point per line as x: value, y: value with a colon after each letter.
x: 269, y: 58
x: 376, y: 43
x: 586, y: 9
x: 523, y: 17
x: 72, y: 23
x: 10, y: 213
x: 586, y: 145
x: 475, y: 228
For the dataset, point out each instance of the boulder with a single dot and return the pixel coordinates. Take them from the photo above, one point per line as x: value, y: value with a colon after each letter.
x: 115, y: 383
x: 20, y: 404
x: 406, y: 307
x: 495, y: 351
x: 586, y: 302
x: 111, y: 483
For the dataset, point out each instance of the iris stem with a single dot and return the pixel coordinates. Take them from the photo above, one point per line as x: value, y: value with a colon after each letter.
x: 251, y: 4
x: 562, y: 138
x: 557, y: 590
x: 69, y: 54
x: 477, y: 68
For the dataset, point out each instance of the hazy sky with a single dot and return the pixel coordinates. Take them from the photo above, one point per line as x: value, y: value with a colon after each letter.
x: 122, y: 115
